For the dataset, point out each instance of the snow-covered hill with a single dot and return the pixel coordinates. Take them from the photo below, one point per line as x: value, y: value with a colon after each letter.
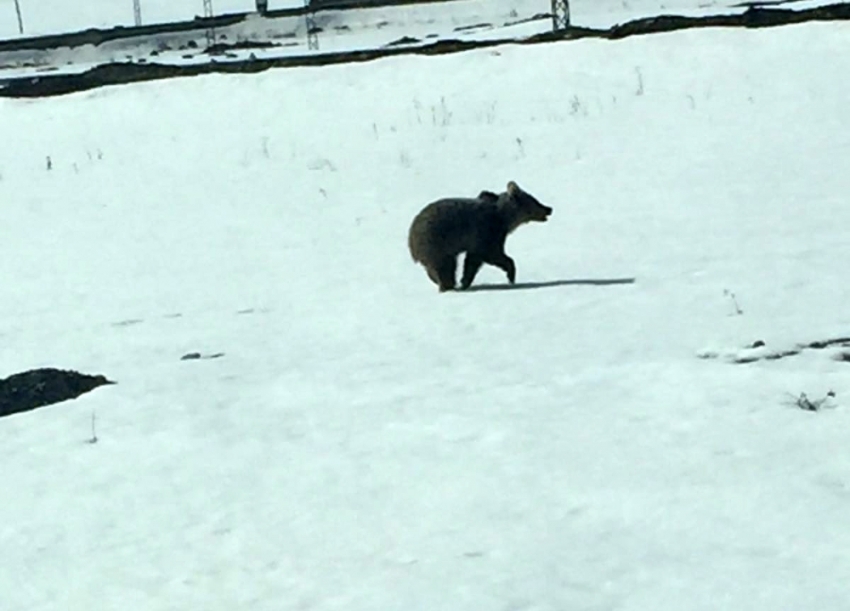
x: 366, y: 443
x: 258, y: 37
x: 56, y: 16
x: 343, y: 30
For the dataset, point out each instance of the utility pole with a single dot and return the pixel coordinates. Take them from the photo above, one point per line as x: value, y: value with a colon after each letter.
x: 208, y: 13
x: 312, y: 30
x: 137, y: 12
x: 560, y: 15
x: 20, y: 19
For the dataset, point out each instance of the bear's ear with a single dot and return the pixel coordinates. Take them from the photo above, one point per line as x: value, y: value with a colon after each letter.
x: 512, y: 188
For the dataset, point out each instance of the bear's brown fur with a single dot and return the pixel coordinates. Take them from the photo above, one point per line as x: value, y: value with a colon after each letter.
x: 477, y: 226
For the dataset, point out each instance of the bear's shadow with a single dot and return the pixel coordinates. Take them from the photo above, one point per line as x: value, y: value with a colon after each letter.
x: 548, y: 284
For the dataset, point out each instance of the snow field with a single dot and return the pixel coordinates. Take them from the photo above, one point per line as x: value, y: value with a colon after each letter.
x: 366, y: 443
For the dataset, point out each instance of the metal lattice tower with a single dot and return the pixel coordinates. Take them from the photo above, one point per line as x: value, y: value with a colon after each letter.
x: 560, y: 15
x: 312, y: 30
x: 137, y: 12
x: 208, y: 13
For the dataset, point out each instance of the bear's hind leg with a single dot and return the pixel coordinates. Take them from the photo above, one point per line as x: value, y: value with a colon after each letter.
x: 432, y: 274
x: 446, y: 269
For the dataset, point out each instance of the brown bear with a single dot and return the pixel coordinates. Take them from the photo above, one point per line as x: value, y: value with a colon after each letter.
x: 477, y: 226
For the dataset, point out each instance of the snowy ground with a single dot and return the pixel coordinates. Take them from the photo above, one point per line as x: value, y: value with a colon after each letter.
x: 369, y: 444
x: 54, y: 16
x: 345, y: 30
x: 341, y: 30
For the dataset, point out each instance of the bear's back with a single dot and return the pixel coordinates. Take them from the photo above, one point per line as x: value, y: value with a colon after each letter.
x: 451, y: 226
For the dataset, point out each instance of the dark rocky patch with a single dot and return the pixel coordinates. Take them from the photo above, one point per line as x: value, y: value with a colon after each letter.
x: 223, y: 47
x: 820, y: 345
x: 195, y: 356
x: 404, y: 40
x: 36, y: 388
x: 474, y: 26
x: 761, y: 3
x: 767, y: 354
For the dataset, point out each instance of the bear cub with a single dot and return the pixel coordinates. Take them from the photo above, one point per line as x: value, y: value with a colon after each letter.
x: 477, y: 226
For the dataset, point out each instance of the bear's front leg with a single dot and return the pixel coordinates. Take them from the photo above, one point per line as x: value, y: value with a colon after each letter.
x: 504, y: 262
